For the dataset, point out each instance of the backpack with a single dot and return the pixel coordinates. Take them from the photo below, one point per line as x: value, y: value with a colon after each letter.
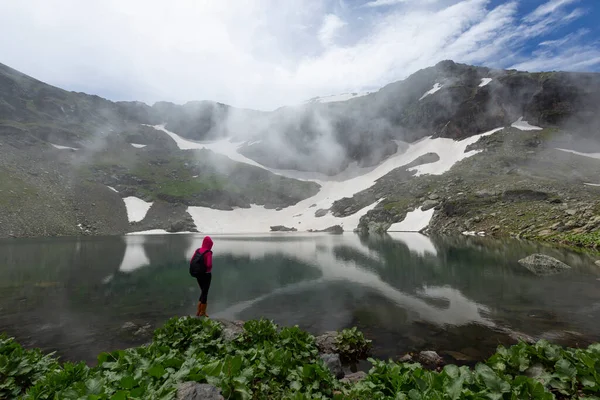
x: 197, y: 264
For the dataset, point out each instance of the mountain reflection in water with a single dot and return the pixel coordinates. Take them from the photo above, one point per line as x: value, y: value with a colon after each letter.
x: 406, y: 291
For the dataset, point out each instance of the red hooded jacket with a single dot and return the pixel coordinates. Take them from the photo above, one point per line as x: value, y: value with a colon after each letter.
x: 207, y: 244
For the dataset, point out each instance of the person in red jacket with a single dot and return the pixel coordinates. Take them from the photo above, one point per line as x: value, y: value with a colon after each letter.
x: 204, y: 278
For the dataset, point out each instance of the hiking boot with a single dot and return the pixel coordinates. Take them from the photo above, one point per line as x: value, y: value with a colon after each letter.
x: 199, y: 310
x: 203, y: 311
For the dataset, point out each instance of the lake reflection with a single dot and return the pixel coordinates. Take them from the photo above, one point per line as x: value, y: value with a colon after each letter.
x: 405, y: 291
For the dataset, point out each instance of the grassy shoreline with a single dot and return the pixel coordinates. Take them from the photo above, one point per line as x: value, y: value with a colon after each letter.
x: 264, y: 361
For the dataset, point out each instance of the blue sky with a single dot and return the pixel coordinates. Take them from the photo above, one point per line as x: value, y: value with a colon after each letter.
x: 267, y: 53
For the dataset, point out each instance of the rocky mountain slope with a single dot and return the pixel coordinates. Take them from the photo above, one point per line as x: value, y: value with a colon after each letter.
x: 72, y: 163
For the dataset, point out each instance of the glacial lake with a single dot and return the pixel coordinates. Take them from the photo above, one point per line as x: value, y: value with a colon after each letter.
x: 460, y: 296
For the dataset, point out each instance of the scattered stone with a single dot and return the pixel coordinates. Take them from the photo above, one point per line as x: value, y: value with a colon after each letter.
x: 406, y: 358
x: 484, y: 193
x: 334, y: 364
x: 541, y: 264
x: 231, y: 329
x: 354, y: 377
x: 337, y: 229
x: 571, y: 212
x: 281, y: 228
x: 326, y: 342
x: 429, y: 204
x: 198, y: 391
x: 321, y: 213
x: 430, y: 358
x: 433, y: 196
x: 458, y: 356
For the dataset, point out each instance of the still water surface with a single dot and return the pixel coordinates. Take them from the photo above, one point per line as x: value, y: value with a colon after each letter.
x: 407, y: 292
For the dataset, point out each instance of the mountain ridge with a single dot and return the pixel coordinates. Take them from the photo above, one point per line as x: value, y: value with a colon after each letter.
x: 118, y: 147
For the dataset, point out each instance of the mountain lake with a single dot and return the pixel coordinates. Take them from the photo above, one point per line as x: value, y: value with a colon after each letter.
x: 459, y: 296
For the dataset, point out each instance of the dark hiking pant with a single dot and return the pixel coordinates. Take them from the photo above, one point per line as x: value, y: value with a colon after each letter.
x: 204, y: 283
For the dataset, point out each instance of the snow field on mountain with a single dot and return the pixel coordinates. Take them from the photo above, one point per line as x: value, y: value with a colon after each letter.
x: 136, y: 208
x: 590, y: 155
x: 302, y: 215
x: 485, y: 82
x: 63, y: 147
x: 524, y: 125
x: 434, y: 89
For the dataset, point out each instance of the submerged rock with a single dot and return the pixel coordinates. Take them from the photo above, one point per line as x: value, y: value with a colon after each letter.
x: 334, y: 364
x: 198, y: 391
x: 541, y: 264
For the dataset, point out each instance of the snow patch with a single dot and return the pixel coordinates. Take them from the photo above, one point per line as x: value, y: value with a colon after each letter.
x: 224, y: 147
x: 592, y: 184
x: 414, y: 221
x: 63, y: 147
x: 138, y: 146
x: 136, y: 208
x: 525, y: 126
x: 450, y: 152
x: 473, y: 233
x: 435, y: 88
x: 485, y: 82
x: 113, y: 189
x: 338, y: 97
x: 590, y: 155
x: 156, y: 232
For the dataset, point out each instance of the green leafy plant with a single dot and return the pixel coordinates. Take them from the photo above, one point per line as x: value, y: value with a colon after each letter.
x: 352, y: 345
x: 264, y: 363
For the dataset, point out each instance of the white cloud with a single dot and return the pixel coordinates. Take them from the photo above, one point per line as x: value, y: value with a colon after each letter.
x: 330, y: 29
x: 266, y: 53
x: 384, y: 3
x: 548, y: 8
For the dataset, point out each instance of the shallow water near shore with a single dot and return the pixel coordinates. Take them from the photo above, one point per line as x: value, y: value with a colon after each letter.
x: 459, y: 296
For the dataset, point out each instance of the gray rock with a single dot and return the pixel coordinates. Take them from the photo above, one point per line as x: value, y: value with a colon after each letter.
x: 326, y: 342
x: 485, y: 193
x: 198, y: 391
x: 571, y: 212
x: 355, y: 377
x: 321, y: 213
x: 231, y: 329
x: 334, y: 364
x: 405, y: 358
x: 541, y: 264
x: 597, y: 263
x: 430, y: 358
x: 429, y: 204
x: 433, y: 196
x: 281, y: 228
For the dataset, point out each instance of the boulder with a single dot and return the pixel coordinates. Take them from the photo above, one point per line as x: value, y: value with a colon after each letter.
x: 321, y: 213
x: 281, y: 228
x: 429, y: 204
x: 541, y: 264
x: 326, y: 342
x: 597, y: 263
x: 198, y: 391
x: 334, y: 364
x: 430, y: 358
x: 354, y: 377
x: 231, y: 329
